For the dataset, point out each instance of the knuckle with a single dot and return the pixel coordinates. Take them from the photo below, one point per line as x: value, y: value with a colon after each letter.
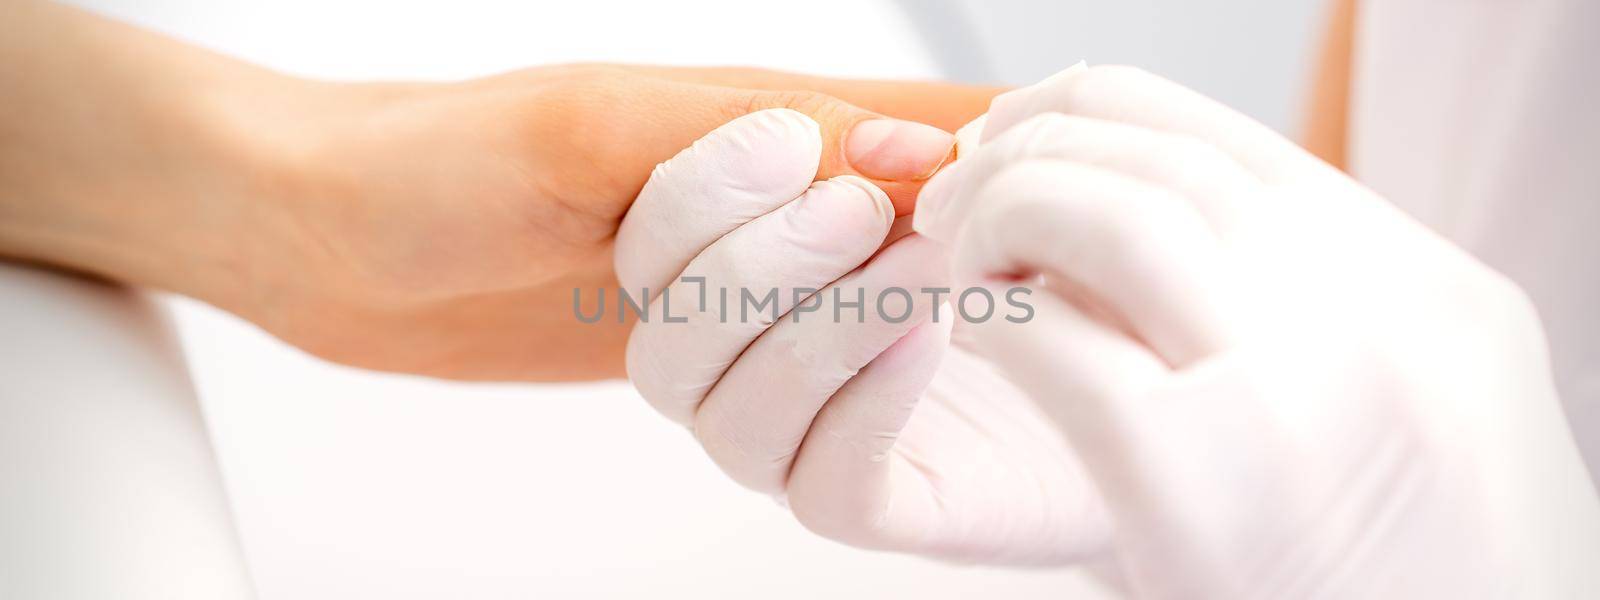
x: 817, y: 105
x: 568, y: 95
x: 591, y: 73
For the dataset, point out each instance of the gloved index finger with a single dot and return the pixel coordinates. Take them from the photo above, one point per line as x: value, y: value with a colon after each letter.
x: 1136, y: 97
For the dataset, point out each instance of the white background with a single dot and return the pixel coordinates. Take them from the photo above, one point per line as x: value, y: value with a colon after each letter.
x: 352, y: 485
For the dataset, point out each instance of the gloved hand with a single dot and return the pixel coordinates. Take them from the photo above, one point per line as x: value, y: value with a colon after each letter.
x: 1282, y: 386
x: 831, y: 411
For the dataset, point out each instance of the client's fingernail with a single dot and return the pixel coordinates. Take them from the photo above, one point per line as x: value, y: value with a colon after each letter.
x: 894, y: 150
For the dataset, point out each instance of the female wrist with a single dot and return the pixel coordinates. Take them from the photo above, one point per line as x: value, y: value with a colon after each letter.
x: 243, y: 244
x: 155, y: 184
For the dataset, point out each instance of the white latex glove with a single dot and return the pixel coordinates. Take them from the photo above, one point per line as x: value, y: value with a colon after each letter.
x: 821, y: 413
x: 1282, y: 386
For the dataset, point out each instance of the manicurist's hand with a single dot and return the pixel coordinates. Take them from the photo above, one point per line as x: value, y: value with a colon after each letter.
x: 429, y: 228
x: 1281, y: 385
x: 841, y: 392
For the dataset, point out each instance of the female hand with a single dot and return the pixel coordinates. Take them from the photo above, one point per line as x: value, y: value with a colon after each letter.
x: 438, y: 229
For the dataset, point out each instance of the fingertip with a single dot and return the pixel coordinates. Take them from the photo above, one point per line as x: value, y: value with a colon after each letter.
x: 844, y: 215
x: 894, y: 150
x: 969, y: 136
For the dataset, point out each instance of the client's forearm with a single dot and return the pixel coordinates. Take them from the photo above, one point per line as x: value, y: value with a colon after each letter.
x: 119, y: 147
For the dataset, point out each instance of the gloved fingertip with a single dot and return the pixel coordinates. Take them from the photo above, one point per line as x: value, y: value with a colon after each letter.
x: 843, y: 216
x: 932, y: 198
x: 970, y: 136
x: 934, y: 204
x: 881, y: 203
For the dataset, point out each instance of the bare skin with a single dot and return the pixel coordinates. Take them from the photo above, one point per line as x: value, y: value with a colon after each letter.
x: 436, y: 229
x: 1328, y: 103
